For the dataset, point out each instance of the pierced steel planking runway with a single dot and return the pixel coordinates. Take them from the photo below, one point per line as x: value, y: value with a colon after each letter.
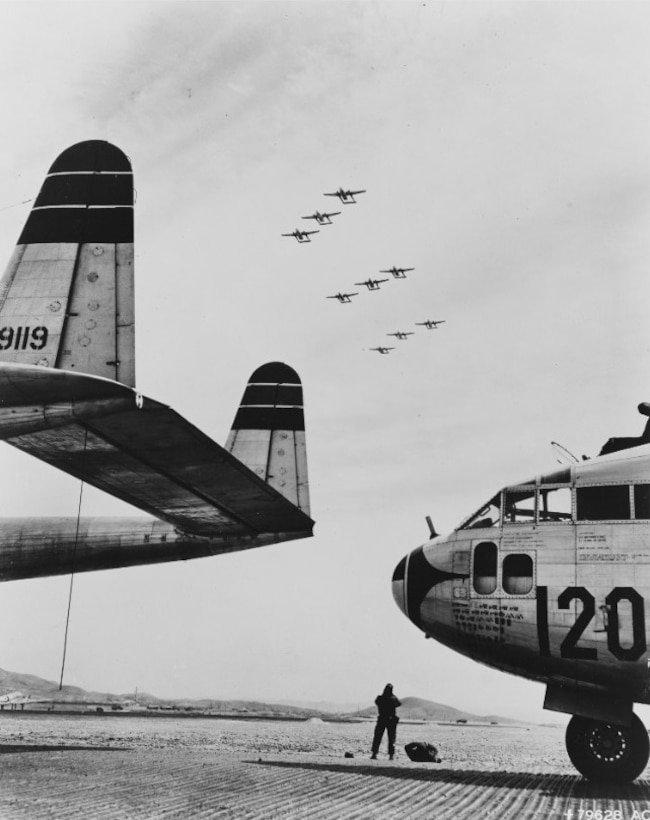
x: 129, y: 768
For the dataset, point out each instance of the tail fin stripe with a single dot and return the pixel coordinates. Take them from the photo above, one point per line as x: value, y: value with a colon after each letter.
x: 88, y: 173
x: 78, y: 225
x: 271, y: 418
x: 93, y: 189
x: 273, y: 394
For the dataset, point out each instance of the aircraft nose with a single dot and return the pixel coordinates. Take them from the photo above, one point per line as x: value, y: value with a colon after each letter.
x: 399, y: 585
x: 416, y: 579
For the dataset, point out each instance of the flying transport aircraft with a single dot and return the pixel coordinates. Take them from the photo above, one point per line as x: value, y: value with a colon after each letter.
x: 431, y: 324
x: 346, y: 197
x: 344, y: 298
x: 398, y: 273
x: 68, y: 397
x: 401, y: 334
x: 382, y: 350
x: 322, y: 219
x: 550, y: 580
x: 301, y: 236
x: 372, y: 284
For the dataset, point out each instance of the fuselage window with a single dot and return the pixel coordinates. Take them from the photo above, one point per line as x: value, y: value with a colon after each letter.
x: 519, y: 506
x: 554, y: 504
x: 642, y: 501
x: 485, y: 568
x: 603, y: 503
x: 517, y: 574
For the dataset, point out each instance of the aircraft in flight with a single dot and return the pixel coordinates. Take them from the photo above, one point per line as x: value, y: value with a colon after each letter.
x: 301, y: 236
x: 67, y: 381
x: 382, y: 350
x: 398, y: 273
x: 346, y: 197
x: 431, y: 324
x: 344, y: 298
x: 322, y: 219
x: 401, y: 334
x: 550, y: 580
x: 372, y: 284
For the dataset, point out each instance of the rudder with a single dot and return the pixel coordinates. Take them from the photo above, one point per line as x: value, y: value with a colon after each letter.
x: 268, y: 433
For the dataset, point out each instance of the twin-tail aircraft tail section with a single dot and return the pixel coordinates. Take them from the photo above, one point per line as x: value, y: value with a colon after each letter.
x: 268, y: 433
x: 67, y: 397
x: 66, y: 299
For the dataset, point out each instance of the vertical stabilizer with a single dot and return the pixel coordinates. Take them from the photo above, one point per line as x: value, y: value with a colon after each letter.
x: 66, y: 299
x: 268, y: 434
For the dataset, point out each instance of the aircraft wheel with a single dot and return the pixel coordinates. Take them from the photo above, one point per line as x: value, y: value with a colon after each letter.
x: 607, y: 752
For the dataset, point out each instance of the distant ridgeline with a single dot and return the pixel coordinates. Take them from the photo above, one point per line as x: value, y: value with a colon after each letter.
x: 411, y: 709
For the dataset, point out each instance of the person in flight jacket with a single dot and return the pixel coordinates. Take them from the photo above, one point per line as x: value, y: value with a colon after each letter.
x: 386, y: 720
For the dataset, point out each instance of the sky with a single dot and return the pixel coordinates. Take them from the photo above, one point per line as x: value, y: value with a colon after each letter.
x: 504, y: 150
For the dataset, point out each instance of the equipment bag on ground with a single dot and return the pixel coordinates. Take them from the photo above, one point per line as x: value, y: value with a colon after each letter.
x: 422, y: 752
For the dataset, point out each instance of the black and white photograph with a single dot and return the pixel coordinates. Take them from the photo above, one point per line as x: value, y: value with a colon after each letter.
x: 325, y: 409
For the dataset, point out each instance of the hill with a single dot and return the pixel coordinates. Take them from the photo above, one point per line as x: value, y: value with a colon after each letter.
x: 412, y: 708
x: 420, y: 709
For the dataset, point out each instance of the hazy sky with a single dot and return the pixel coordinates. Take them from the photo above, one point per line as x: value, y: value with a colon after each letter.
x: 505, y: 149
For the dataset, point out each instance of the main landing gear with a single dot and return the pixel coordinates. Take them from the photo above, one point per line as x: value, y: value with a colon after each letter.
x: 607, y: 752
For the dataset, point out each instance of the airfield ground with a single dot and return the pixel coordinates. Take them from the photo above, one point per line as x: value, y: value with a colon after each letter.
x: 128, y: 767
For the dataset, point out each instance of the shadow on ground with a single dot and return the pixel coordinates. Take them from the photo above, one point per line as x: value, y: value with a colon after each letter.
x: 18, y: 748
x: 571, y: 786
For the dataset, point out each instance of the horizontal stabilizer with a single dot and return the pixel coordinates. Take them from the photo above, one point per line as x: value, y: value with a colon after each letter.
x: 145, y: 454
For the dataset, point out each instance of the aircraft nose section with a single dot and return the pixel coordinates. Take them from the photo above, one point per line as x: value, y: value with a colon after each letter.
x: 417, y: 578
x: 399, y: 585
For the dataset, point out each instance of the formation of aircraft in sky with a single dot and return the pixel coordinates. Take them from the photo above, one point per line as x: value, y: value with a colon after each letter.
x: 372, y: 284
x: 375, y: 285
x: 347, y: 197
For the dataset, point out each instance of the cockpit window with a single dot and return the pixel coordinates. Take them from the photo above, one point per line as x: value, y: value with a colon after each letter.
x: 487, y: 516
x: 554, y: 504
x: 642, y: 501
x: 519, y: 506
x: 603, y: 503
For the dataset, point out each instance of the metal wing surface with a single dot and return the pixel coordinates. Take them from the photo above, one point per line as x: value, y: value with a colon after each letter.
x: 140, y: 451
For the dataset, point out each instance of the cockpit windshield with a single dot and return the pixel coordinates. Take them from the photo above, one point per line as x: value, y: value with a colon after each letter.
x: 519, y: 505
x: 487, y: 516
x: 525, y: 505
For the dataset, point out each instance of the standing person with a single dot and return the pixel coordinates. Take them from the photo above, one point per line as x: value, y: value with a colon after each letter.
x: 386, y: 720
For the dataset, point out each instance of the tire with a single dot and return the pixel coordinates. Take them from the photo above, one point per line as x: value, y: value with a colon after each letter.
x: 604, y: 751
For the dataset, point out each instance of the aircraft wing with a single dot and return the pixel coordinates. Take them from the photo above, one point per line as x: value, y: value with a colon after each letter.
x: 140, y: 451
